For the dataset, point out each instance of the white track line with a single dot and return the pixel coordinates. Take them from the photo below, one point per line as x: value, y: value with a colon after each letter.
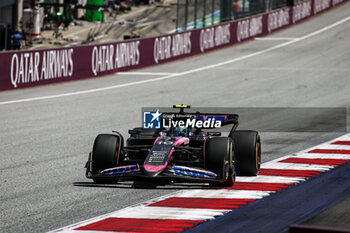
x: 285, y: 69
x: 275, y: 38
x: 182, y: 73
x: 144, y: 73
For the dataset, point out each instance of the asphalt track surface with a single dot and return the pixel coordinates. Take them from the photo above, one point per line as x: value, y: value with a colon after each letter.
x: 45, y: 142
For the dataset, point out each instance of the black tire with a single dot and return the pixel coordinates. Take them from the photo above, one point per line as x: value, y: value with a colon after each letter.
x: 218, y: 159
x: 105, y: 155
x: 247, y: 152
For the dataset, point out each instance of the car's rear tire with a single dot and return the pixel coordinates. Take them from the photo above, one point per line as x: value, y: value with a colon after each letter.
x: 218, y: 159
x: 247, y: 152
x: 105, y: 154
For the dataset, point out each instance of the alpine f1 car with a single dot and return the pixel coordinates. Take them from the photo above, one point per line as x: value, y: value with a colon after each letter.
x: 191, y: 154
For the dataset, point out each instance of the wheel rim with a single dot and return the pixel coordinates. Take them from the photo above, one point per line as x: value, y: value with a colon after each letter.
x: 231, y: 165
x: 231, y: 173
x: 257, y: 153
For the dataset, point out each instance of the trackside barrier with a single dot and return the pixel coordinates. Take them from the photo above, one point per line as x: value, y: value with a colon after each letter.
x: 38, y: 67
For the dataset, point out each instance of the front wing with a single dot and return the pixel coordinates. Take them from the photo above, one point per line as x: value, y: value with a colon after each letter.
x: 172, y: 172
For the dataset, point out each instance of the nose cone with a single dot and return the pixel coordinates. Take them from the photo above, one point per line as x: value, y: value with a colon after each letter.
x: 153, y: 170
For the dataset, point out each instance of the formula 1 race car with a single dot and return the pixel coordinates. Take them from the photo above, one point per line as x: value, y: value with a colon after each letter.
x: 190, y: 154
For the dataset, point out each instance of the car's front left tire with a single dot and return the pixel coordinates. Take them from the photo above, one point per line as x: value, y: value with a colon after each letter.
x: 105, y: 154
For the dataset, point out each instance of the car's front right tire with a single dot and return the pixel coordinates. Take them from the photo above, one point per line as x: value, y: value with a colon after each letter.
x: 218, y: 159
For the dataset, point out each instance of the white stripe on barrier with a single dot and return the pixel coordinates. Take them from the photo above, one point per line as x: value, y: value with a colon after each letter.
x: 168, y: 213
x: 81, y: 231
x: 333, y: 147
x: 295, y: 166
x: 345, y: 137
x: 224, y: 193
x: 322, y: 156
x: 269, y: 179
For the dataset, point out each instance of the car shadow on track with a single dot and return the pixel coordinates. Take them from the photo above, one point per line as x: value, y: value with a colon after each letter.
x: 143, y: 185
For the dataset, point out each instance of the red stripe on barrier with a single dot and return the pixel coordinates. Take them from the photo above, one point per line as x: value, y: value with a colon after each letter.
x: 203, y: 203
x: 288, y: 172
x: 329, y: 162
x: 344, y: 143
x: 329, y: 151
x: 140, y: 225
x: 259, y: 186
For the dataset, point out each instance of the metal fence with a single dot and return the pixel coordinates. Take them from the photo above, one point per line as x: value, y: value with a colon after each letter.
x: 198, y: 13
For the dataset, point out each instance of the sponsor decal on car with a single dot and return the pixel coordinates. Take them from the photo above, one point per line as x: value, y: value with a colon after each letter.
x: 151, y: 120
x: 158, y: 120
x: 192, y: 123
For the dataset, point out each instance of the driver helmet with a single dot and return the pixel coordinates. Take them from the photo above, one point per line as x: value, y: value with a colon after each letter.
x: 181, y: 131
